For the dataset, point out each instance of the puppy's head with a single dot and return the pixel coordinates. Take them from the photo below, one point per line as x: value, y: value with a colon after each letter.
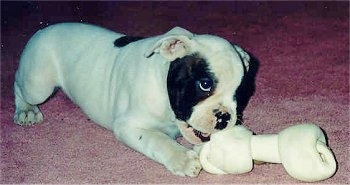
x: 204, y: 75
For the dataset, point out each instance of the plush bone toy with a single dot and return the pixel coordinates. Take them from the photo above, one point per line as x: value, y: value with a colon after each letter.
x: 301, y: 149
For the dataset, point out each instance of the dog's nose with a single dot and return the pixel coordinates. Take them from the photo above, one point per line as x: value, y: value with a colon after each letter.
x: 222, y: 120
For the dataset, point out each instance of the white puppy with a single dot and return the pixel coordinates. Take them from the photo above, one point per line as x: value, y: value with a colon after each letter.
x: 141, y: 89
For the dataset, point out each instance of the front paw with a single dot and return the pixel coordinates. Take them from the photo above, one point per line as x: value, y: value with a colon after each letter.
x: 185, y: 163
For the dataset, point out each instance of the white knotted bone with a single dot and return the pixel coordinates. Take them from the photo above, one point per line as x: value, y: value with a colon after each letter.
x: 301, y: 149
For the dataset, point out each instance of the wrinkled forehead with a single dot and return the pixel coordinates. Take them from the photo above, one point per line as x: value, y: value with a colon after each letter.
x: 223, y: 60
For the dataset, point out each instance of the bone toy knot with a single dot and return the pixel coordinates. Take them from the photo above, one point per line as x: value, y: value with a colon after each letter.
x: 301, y: 149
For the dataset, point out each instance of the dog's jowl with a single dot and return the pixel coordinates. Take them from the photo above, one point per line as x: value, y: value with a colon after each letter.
x: 142, y: 89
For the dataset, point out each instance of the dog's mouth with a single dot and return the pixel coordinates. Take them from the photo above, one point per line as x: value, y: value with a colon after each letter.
x: 202, y: 136
x: 193, y: 135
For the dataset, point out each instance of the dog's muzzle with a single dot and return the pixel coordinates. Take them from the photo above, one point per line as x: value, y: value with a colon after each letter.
x: 222, y: 120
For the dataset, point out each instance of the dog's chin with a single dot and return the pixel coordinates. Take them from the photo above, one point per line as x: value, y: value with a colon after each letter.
x: 193, y: 135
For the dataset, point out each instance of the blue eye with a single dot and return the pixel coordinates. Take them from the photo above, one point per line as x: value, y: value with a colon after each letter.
x: 205, y: 84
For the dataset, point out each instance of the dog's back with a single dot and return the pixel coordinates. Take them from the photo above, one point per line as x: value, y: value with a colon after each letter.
x: 49, y: 59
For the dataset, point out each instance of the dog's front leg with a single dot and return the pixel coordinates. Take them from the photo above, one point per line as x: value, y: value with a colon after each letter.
x: 161, y: 148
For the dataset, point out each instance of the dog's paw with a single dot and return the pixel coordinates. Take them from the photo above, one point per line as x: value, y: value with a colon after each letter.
x: 28, y: 117
x: 185, y: 164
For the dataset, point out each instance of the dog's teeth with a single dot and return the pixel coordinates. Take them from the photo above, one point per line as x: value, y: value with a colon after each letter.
x: 197, y: 132
x: 202, y: 136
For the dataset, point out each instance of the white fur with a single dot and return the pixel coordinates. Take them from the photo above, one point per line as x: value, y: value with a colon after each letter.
x: 124, y: 89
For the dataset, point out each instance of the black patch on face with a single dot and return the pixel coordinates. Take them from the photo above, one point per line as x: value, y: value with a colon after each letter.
x: 125, y: 40
x: 183, y: 82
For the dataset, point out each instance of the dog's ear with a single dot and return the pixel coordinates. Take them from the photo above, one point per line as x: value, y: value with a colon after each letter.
x: 174, y: 44
x: 247, y: 87
x: 243, y: 55
x: 179, y: 31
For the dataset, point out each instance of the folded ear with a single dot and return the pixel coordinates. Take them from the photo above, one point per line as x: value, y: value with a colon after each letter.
x: 179, y: 31
x: 243, y: 55
x: 247, y: 87
x: 176, y: 43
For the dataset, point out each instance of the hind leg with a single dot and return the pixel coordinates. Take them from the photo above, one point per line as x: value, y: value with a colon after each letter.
x: 25, y: 113
x: 28, y: 95
x: 33, y: 85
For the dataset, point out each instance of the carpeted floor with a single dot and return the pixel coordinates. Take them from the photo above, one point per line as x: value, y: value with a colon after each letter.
x: 303, y: 49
